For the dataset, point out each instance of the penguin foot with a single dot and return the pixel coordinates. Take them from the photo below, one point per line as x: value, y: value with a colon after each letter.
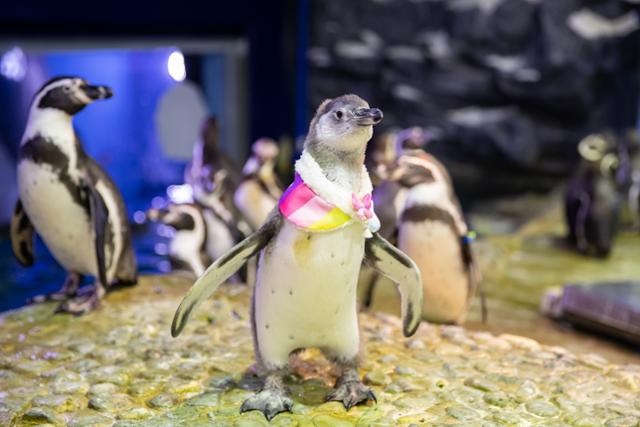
x: 351, y: 393
x: 269, y: 402
x: 84, y: 302
x: 69, y: 289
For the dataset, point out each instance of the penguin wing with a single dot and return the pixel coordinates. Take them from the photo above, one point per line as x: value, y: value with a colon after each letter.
x: 222, y: 269
x: 22, y: 234
x: 397, y: 266
x: 127, y: 269
x: 99, y: 219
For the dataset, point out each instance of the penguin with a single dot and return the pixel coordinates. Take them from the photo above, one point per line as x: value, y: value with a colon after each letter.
x: 310, y: 250
x: 260, y: 190
x: 425, y: 220
x: 209, y: 163
x: 188, y: 246
x: 592, y: 201
x: 628, y: 173
x: 69, y: 200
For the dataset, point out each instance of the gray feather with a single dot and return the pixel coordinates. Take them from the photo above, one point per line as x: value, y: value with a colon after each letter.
x: 221, y: 270
x: 397, y: 266
x: 22, y: 233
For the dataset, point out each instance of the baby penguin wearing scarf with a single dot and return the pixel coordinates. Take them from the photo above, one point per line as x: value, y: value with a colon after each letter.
x: 310, y: 252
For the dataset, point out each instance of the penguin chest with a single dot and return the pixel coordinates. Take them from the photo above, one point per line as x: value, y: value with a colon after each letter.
x: 305, y: 292
x: 254, y: 203
x: 56, y: 212
x: 219, y: 238
x: 435, y: 248
x: 186, y: 247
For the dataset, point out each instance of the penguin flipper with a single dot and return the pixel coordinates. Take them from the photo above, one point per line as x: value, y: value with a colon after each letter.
x: 22, y: 234
x: 397, y: 266
x: 221, y: 270
x: 99, y: 219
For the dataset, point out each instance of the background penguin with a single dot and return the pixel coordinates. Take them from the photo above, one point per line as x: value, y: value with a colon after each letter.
x: 260, y: 190
x: 424, y: 217
x: 628, y: 173
x: 67, y: 198
x: 311, y: 250
x: 592, y: 201
x: 209, y: 163
x: 188, y: 246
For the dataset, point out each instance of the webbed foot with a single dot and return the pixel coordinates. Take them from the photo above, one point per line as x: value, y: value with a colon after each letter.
x: 84, y: 302
x: 269, y: 402
x: 68, y: 290
x: 351, y: 393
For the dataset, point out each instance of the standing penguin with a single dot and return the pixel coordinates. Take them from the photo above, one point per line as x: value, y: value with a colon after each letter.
x: 260, y: 190
x: 424, y: 217
x: 67, y: 198
x: 188, y: 246
x: 592, y: 201
x: 310, y: 253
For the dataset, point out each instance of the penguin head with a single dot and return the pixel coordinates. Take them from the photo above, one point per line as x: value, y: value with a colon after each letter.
x: 179, y: 216
x: 69, y: 94
x: 343, y: 124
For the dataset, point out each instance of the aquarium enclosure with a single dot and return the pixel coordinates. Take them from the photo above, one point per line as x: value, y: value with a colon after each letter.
x: 329, y: 213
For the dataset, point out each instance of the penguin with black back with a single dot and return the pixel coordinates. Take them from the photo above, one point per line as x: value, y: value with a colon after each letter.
x: 592, y: 200
x: 69, y: 200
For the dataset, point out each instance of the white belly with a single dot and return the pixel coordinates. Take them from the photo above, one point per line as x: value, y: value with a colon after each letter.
x: 435, y: 248
x: 254, y: 204
x: 219, y: 238
x: 305, y: 293
x: 62, y: 224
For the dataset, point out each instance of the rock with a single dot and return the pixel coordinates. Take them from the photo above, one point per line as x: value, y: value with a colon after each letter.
x: 40, y: 415
x: 542, y: 408
x: 135, y: 414
x: 58, y: 403
x: 497, y: 398
x: 110, y: 403
x: 91, y: 420
x: 163, y: 400
x: 377, y: 378
x: 70, y: 382
x: 481, y: 384
x: 622, y: 422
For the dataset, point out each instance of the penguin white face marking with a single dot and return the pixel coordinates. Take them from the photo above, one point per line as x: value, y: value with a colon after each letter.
x: 68, y: 94
x: 345, y: 123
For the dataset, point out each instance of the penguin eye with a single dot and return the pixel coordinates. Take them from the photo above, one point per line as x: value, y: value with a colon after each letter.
x: 66, y: 88
x: 339, y: 114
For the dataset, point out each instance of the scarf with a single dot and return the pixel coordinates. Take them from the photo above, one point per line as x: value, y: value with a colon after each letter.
x: 314, y: 203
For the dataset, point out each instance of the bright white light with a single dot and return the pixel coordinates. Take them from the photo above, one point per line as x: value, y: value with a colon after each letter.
x: 180, y: 193
x: 13, y: 64
x: 175, y: 66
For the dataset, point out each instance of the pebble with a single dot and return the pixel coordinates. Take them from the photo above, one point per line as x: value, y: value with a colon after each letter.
x: 542, y: 408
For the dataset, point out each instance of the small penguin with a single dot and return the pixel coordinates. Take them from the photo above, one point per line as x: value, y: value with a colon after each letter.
x: 67, y: 198
x: 208, y: 163
x: 260, y: 190
x: 188, y: 246
x: 592, y: 201
x: 424, y: 217
x: 310, y: 252
x: 628, y: 174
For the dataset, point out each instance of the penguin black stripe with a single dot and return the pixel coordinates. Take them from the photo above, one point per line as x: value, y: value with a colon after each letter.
x: 43, y: 151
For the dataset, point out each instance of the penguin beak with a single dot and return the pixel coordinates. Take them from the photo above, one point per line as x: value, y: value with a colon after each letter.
x: 368, y: 116
x: 98, y: 92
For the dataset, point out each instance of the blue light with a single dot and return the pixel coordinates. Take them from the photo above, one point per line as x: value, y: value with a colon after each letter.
x: 13, y: 64
x: 176, y: 67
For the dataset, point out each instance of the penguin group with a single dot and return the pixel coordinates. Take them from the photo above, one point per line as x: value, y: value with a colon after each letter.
x: 606, y: 181
x: 225, y: 204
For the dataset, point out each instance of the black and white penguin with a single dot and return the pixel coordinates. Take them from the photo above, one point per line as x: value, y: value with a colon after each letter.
x: 209, y: 163
x: 592, y: 200
x: 69, y: 200
x: 188, y: 245
x: 260, y: 190
x: 310, y: 253
x: 422, y: 215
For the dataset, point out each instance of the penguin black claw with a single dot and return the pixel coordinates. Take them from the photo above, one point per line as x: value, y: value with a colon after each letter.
x: 269, y: 402
x: 352, y: 393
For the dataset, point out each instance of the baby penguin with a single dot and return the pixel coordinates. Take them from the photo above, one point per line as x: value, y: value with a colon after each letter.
x: 592, y: 201
x: 310, y: 251
x: 260, y: 190
x: 427, y: 223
